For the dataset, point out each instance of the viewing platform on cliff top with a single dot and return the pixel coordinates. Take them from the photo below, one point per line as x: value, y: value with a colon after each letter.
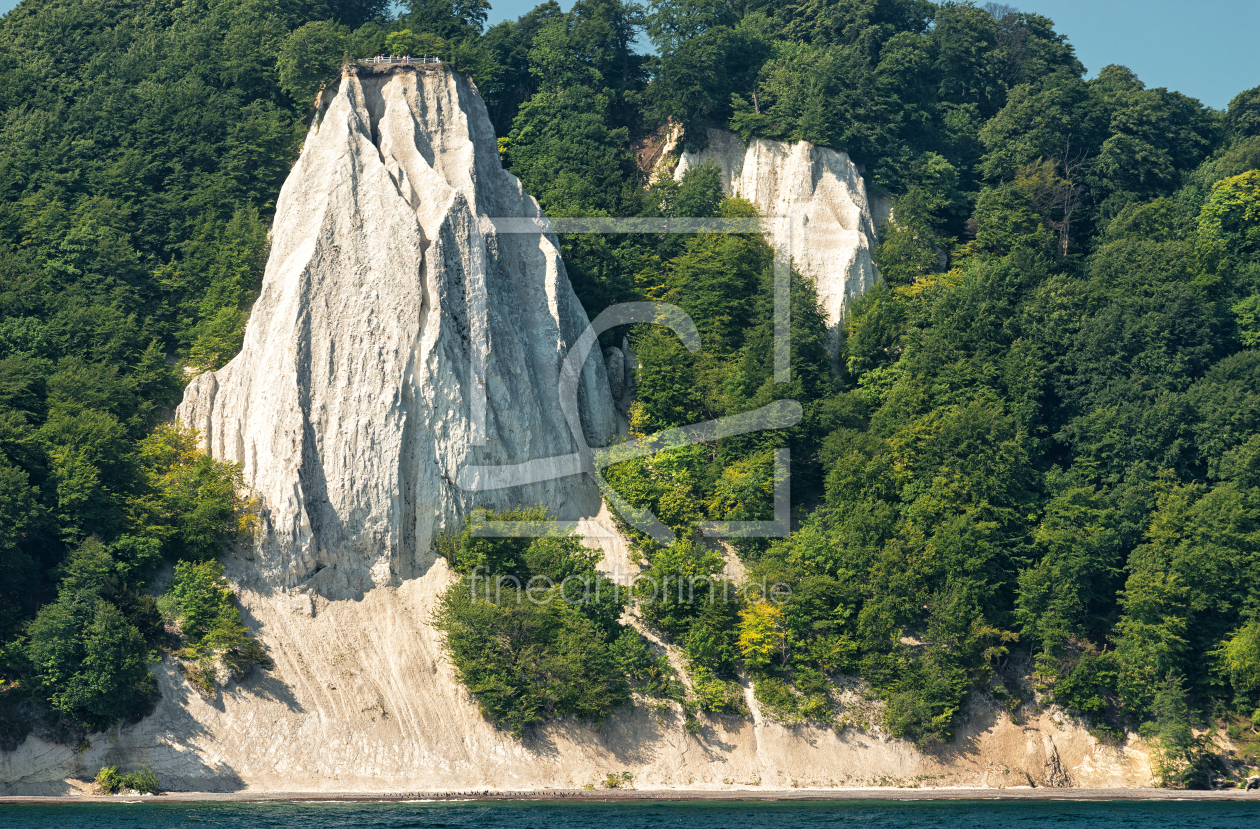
x: 385, y: 63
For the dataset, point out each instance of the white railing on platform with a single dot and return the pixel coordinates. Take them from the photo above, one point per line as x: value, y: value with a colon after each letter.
x: 402, y: 60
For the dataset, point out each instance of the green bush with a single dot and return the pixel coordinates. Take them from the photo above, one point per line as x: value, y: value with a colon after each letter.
x: 777, y: 699
x: 526, y: 663
x: 922, y: 692
x: 650, y: 676
x: 108, y: 780
x: 1086, y: 687
x: 533, y: 630
x: 715, y: 695
x: 1182, y: 758
x: 204, y: 605
x: 142, y: 780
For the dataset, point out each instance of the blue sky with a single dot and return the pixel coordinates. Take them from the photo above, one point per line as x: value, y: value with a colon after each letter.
x: 1204, y: 48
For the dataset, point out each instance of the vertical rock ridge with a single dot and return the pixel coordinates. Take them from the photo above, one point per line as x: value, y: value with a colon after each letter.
x: 351, y: 403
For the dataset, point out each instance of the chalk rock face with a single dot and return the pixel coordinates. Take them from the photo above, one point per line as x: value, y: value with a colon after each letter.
x: 358, y: 397
x: 615, y: 365
x: 830, y: 232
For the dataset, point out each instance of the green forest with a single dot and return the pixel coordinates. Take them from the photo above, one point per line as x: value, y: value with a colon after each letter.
x: 1037, y: 473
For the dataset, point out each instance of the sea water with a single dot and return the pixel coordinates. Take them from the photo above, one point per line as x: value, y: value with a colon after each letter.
x: 948, y: 814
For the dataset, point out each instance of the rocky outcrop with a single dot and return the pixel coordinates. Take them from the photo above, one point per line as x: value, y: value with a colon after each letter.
x: 827, y: 221
x: 397, y: 339
x: 619, y: 362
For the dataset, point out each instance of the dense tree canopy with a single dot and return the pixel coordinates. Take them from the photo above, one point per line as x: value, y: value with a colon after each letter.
x: 144, y: 146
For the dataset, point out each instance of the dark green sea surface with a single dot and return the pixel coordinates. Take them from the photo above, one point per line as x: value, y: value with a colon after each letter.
x: 636, y: 815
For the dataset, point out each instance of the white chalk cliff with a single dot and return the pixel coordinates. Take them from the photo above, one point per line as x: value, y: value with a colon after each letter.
x: 351, y: 407
x: 356, y: 401
x: 830, y: 225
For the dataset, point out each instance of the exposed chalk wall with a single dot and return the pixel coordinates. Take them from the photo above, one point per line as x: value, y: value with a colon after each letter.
x: 352, y: 404
x: 818, y: 208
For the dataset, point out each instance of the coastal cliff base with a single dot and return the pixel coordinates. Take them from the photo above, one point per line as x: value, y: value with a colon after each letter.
x: 362, y: 700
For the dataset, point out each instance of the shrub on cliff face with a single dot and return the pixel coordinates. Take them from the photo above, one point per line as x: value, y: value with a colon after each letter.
x: 532, y: 631
x: 192, y: 504
x: 527, y: 663
x: 1182, y: 759
x: 201, y: 600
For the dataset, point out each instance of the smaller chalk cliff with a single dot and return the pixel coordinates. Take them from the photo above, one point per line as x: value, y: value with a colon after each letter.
x: 830, y: 229
x: 356, y: 398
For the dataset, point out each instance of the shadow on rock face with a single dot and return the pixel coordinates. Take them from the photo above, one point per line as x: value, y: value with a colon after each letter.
x: 169, y: 741
x: 264, y: 685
